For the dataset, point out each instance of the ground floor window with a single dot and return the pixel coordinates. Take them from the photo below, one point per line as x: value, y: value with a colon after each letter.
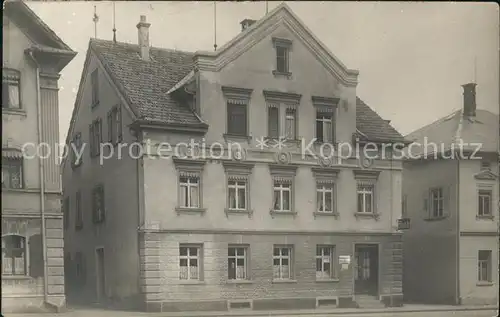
x: 484, y: 266
x: 282, y: 263
x: 237, y: 263
x: 14, y: 258
x: 189, y: 262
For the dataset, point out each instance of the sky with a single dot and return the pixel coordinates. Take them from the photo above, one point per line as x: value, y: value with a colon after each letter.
x: 412, y: 57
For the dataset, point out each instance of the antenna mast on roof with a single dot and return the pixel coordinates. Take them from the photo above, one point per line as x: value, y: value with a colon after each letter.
x: 95, y: 19
x: 267, y: 7
x: 114, y: 23
x: 215, y: 25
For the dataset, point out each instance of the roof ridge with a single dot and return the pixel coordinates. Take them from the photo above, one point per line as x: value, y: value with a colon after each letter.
x: 441, y: 119
x: 95, y: 40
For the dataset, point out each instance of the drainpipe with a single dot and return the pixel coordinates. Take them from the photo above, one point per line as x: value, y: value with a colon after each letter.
x: 457, y: 202
x: 42, y: 180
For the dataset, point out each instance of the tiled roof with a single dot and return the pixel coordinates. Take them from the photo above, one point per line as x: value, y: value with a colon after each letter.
x: 448, y: 131
x: 145, y: 84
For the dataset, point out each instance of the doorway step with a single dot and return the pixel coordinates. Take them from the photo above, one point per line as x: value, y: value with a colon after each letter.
x: 368, y: 301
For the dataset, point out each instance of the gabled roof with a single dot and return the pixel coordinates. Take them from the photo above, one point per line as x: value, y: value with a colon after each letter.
x: 146, y: 85
x: 452, y: 129
x: 22, y: 15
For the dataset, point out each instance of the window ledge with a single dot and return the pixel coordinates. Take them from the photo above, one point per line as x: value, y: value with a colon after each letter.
x: 248, y: 212
x: 330, y: 280
x: 296, y: 141
x: 435, y: 218
x: 191, y: 282
x: 326, y: 213
x: 228, y: 137
x: 284, y: 213
x: 19, y: 190
x: 14, y: 111
x: 375, y: 216
x: 282, y: 74
x: 180, y: 210
x: 239, y: 282
x: 485, y: 217
x: 16, y: 277
x: 484, y: 284
x: 284, y: 281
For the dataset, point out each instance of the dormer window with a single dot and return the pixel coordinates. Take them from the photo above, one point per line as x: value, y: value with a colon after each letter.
x: 283, y: 48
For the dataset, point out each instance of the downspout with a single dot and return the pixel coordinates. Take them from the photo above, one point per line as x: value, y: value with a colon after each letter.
x: 42, y: 180
x: 457, y: 202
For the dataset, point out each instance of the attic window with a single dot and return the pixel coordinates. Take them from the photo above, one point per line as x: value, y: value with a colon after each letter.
x: 11, y: 98
x: 283, y: 48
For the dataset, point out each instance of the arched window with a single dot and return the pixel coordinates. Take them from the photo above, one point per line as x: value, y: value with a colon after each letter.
x: 14, y: 255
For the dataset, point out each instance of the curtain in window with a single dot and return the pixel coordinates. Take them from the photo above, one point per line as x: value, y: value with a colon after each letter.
x: 194, y: 196
x: 13, y: 96
x: 328, y: 200
x: 277, y: 200
x: 290, y: 124
x: 241, y: 198
x: 237, y: 121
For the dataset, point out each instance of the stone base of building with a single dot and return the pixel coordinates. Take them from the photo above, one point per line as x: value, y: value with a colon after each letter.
x: 33, y: 304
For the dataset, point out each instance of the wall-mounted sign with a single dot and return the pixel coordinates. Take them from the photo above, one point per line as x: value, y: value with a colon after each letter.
x: 403, y: 223
x: 345, y: 259
x: 344, y: 266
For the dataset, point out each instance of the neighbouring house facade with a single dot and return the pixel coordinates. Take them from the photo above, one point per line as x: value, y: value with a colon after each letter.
x: 231, y: 223
x: 33, y: 57
x: 451, y: 249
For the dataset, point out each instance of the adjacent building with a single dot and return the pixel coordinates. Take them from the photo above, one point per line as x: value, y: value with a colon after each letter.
x: 32, y: 235
x: 242, y: 220
x: 451, y: 197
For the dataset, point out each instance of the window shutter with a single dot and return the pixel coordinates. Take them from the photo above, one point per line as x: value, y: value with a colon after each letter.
x: 426, y: 204
x: 91, y: 139
x: 103, y: 204
x: 119, y: 123
x: 110, y: 126
x: 94, y: 206
x: 273, y: 122
x: 446, y: 201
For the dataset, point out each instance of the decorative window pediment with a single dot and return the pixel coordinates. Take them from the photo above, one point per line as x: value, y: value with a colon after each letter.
x: 282, y: 97
x: 325, y: 175
x: 366, y: 176
x: 236, y: 95
x: 189, y: 165
x: 325, y: 104
x: 485, y: 175
x: 238, y: 171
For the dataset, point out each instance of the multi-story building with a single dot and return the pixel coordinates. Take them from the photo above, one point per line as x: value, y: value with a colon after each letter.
x: 32, y: 235
x: 233, y: 222
x: 450, y: 194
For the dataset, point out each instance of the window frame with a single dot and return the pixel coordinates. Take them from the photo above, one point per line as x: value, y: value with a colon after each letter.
x: 236, y: 257
x: 98, y: 192
x: 369, y: 179
x: 238, y: 97
x: 435, y: 211
x: 332, y: 261
x: 281, y: 257
x: 286, y: 104
x: 325, y: 107
x: 480, y: 266
x: 238, y: 172
x: 10, y: 163
x: 94, y: 82
x: 188, y: 257
x: 364, y: 190
x: 96, y: 137
x: 76, y: 143
x: 189, y: 168
x: 326, y: 177
x: 286, y: 46
x: 283, y: 178
x: 483, y: 193
x: 25, y: 256
x: 78, y: 211
x: 12, y: 77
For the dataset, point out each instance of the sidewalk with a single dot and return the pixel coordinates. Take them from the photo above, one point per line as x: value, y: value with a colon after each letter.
x: 88, y: 312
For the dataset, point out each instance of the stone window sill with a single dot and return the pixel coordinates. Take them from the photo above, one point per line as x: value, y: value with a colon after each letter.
x: 13, y: 111
x: 180, y: 210
x: 16, y: 277
x: 284, y: 213
x: 191, y: 282
x: 485, y: 217
x: 326, y: 213
x: 375, y: 216
x: 239, y: 282
x: 435, y: 218
x: 484, y: 284
x: 284, y: 281
x: 330, y: 280
x: 248, y: 212
x: 229, y: 137
x: 296, y: 141
x: 282, y: 74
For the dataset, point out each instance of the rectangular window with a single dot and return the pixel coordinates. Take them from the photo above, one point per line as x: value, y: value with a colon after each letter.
x: 10, y: 89
x: 66, y: 213
x: 189, y: 262
x: 437, y: 202
x: 237, y: 263
x: 273, y: 122
x: 290, y: 124
x: 237, y: 119
x: 98, y: 199
x: 189, y: 191
x: 325, y: 197
x: 78, y: 211
x: 95, y: 131
x: 365, y: 198
x: 14, y: 255
x: 324, y: 127
x: 95, y: 87
x: 282, y: 196
x: 115, y: 125
x: 325, y: 262
x: 484, y: 266
x: 76, y: 148
x: 118, y: 124
x: 282, y: 267
x: 484, y: 200
x: 282, y: 59
x: 12, y: 172
x: 111, y: 128
x: 282, y: 122
x: 237, y: 194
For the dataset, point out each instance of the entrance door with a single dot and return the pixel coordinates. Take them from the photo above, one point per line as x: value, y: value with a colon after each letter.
x: 366, y: 269
x: 101, y: 279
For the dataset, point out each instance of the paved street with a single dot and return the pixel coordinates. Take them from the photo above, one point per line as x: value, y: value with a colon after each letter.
x: 426, y: 311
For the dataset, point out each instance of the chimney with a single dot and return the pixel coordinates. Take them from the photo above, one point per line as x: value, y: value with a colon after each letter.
x: 143, y: 32
x: 469, y: 99
x: 245, y: 24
